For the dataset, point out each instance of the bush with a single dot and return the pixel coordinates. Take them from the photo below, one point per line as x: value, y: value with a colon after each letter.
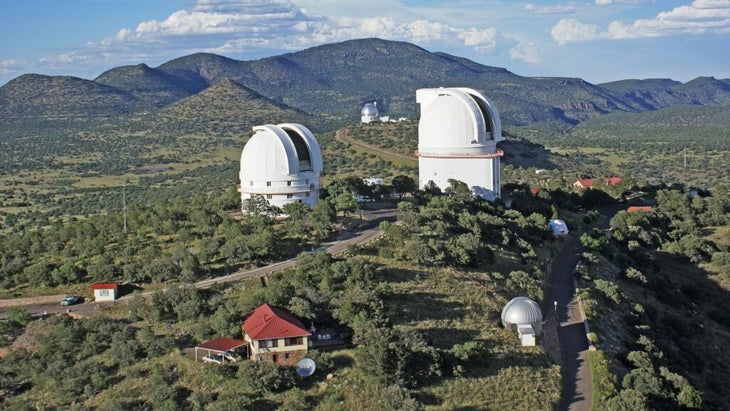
x: 609, y: 289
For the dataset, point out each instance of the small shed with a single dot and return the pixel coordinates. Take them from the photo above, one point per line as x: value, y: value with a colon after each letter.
x: 526, y: 334
x: 104, y: 291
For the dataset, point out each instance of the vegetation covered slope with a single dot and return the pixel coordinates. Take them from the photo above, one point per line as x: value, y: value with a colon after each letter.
x: 657, y: 295
x: 687, y: 144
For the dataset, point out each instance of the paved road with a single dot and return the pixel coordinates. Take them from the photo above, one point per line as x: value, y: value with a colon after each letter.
x: 577, y: 384
x: 573, y: 343
x: 362, y: 233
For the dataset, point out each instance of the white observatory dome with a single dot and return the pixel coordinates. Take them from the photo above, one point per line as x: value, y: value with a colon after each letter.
x: 457, y: 121
x: 522, y: 311
x: 282, y: 163
x: 369, y: 109
x: 369, y: 112
x: 457, y: 140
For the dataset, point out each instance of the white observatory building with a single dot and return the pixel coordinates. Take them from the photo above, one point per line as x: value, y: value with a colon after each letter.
x: 457, y: 139
x: 369, y: 112
x: 523, y: 315
x: 282, y: 163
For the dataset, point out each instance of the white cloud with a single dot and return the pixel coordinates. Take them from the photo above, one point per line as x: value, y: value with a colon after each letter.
x: 702, y: 16
x: 526, y: 52
x: 573, y: 31
x: 233, y: 27
x: 603, y: 2
x: 484, y: 41
x: 556, y: 9
x: 9, y: 63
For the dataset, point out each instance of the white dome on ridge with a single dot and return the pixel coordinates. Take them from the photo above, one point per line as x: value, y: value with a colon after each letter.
x: 369, y: 109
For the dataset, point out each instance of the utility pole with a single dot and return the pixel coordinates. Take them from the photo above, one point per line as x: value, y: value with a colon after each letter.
x: 124, y: 206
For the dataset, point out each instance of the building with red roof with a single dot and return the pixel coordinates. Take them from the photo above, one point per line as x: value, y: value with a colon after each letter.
x: 648, y: 209
x: 584, y: 182
x: 275, y: 335
x: 104, y: 291
x: 588, y: 182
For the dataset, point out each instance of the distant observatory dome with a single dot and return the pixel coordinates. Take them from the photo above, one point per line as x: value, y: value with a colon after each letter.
x: 522, y: 311
x: 369, y: 112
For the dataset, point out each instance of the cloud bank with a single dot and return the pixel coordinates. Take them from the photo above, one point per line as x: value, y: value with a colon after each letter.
x: 700, y: 17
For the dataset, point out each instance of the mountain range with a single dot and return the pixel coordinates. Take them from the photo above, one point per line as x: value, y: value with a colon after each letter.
x: 334, y: 80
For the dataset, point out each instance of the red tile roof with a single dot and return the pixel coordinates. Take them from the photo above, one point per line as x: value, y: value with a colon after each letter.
x: 584, y: 182
x: 103, y: 286
x: 222, y: 344
x: 640, y: 208
x: 266, y: 322
x: 587, y: 182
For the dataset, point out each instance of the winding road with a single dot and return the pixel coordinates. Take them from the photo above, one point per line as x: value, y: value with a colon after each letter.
x: 362, y: 233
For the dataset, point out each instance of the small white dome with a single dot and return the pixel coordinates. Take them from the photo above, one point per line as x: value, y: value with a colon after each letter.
x: 522, y: 311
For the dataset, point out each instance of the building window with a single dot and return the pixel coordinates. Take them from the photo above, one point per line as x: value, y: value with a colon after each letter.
x: 269, y: 343
x: 286, y: 356
x: 288, y: 183
x: 103, y: 293
x: 268, y: 184
x: 307, y: 194
x: 250, y: 183
x: 290, y: 196
x: 293, y: 341
x: 306, y: 181
x: 269, y: 196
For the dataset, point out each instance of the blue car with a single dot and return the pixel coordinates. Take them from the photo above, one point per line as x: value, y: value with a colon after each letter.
x: 71, y: 300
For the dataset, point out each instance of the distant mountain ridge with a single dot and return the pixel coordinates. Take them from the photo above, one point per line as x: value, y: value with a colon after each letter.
x: 335, y: 79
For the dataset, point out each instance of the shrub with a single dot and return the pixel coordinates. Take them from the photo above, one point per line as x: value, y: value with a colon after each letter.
x: 609, y: 289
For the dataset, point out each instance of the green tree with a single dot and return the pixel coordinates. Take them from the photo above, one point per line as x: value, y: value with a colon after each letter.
x: 322, y: 218
x: 403, y: 185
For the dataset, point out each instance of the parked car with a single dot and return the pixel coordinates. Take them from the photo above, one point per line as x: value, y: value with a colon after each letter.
x: 231, y: 356
x: 213, y: 358
x: 71, y: 300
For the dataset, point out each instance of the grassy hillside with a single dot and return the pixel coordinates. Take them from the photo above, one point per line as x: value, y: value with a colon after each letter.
x: 686, y: 145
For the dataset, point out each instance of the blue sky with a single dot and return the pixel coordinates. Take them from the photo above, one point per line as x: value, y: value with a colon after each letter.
x: 597, y: 40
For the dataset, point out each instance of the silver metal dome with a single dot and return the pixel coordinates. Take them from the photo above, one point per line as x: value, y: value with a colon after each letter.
x: 522, y: 311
